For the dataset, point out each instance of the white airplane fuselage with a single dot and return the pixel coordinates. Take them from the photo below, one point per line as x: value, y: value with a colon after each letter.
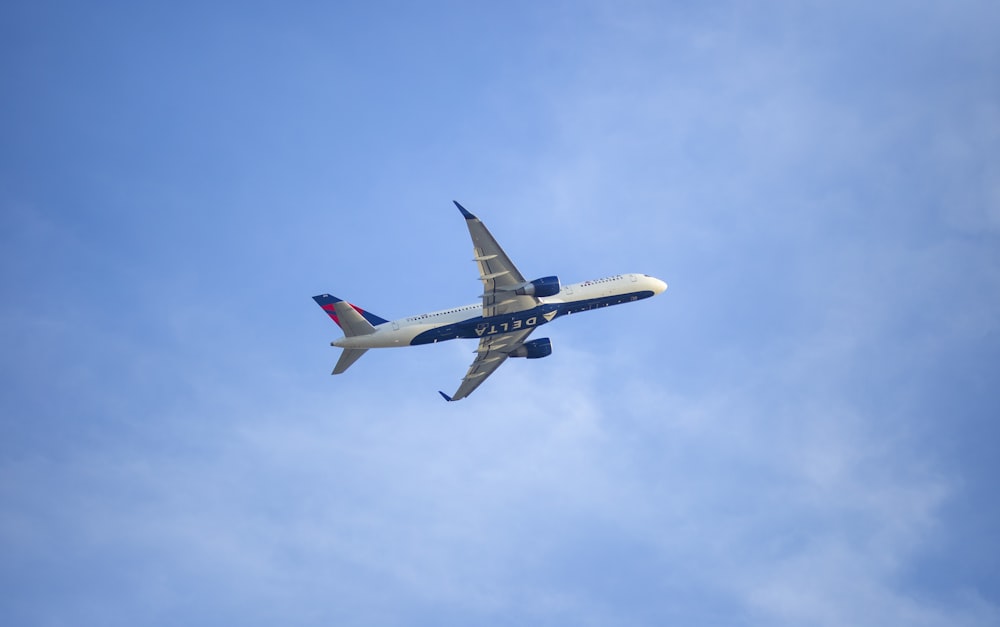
x: 468, y: 321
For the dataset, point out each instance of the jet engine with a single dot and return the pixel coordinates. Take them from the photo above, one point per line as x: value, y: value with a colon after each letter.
x: 535, y: 349
x: 545, y: 286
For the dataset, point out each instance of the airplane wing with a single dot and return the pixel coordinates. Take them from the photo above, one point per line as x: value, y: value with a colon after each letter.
x: 492, y: 352
x: 496, y: 271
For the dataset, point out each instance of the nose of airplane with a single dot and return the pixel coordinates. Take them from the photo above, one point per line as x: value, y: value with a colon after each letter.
x: 658, y: 286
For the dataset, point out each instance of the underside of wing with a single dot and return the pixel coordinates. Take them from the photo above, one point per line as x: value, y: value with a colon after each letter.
x: 498, y: 273
x: 490, y: 355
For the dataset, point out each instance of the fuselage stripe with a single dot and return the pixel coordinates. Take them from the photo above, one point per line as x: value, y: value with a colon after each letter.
x: 478, y: 326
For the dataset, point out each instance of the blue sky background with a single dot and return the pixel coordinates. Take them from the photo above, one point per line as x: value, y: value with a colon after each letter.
x: 801, y: 431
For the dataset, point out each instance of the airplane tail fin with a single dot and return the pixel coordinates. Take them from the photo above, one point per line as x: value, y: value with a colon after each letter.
x: 353, y: 321
x: 329, y: 305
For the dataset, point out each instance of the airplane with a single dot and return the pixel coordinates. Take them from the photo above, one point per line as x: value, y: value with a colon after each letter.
x: 511, y: 309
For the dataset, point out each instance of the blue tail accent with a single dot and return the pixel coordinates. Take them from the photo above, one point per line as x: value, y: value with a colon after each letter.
x: 326, y: 301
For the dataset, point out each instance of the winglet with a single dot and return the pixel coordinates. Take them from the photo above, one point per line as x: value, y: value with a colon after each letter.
x: 468, y: 216
x: 446, y: 397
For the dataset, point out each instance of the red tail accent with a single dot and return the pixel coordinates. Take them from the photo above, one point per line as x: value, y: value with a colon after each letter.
x: 331, y: 311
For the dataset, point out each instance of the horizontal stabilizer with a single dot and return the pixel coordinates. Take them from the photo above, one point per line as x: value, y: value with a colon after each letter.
x: 347, y: 358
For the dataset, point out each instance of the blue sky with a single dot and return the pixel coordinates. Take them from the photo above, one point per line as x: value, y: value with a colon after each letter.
x: 800, y: 431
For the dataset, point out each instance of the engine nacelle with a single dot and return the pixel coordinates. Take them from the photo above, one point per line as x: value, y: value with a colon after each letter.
x: 535, y: 349
x: 545, y: 286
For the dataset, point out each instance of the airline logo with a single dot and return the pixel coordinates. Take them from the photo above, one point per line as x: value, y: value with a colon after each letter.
x: 495, y: 328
